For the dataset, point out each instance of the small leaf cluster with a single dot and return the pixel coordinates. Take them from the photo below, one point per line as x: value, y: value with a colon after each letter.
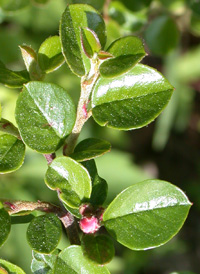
x: 118, y: 92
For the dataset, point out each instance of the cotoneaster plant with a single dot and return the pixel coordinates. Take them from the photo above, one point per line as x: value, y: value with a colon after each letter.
x: 118, y: 92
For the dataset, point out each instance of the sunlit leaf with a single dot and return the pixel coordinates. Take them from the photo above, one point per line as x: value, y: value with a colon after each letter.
x: 44, y: 233
x: 45, y: 114
x: 147, y: 214
x: 131, y: 100
x: 11, y: 268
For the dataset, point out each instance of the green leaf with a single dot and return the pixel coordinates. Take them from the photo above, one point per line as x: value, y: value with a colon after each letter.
x: 90, y: 148
x: 73, y: 19
x: 45, y: 114
x: 98, y: 248
x: 42, y: 263
x: 71, y: 179
x: 50, y: 55
x: 24, y: 219
x: 90, y: 42
x: 13, y: 5
x: 127, y: 52
x: 13, y: 79
x: 44, y: 233
x: 10, y: 268
x: 31, y: 63
x: 8, y: 127
x: 131, y: 100
x: 96, y: 4
x: 99, y: 185
x: 12, y: 152
x: 162, y: 35
x: 5, y: 225
x: 147, y: 214
x: 72, y: 261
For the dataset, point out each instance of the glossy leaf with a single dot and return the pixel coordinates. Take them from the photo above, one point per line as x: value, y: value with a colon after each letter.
x: 5, y: 225
x: 94, y: 3
x: 45, y: 114
x: 127, y: 52
x: 99, y: 185
x: 10, y: 268
x: 73, y: 19
x: 44, y: 233
x: 8, y: 127
x: 162, y: 35
x: 13, y: 5
x: 13, y: 79
x: 12, y: 152
x: 147, y: 214
x: 90, y: 42
x: 44, y: 263
x: 72, y: 261
x: 131, y: 100
x: 98, y: 248
x: 50, y: 55
x: 90, y: 148
x: 71, y: 179
x: 30, y: 60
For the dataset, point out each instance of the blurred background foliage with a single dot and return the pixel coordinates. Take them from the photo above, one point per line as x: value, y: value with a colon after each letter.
x: 167, y: 149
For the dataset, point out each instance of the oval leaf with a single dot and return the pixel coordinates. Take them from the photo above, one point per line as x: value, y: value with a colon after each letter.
x: 162, y: 35
x: 131, y: 100
x: 98, y: 248
x: 73, y: 19
x: 71, y: 179
x: 45, y: 114
x: 50, y: 55
x: 99, y: 185
x: 72, y: 261
x: 90, y: 148
x: 10, y: 267
x: 5, y: 225
x: 90, y: 42
x: 44, y: 233
x: 12, y: 152
x: 127, y: 52
x: 147, y: 214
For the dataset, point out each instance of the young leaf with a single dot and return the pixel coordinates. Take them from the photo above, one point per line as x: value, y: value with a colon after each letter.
x: 90, y: 42
x: 90, y: 148
x: 12, y: 152
x: 8, y: 127
x: 44, y: 263
x: 99, y: 185
x: 13, y: 5
x: 162, y: 35
x: 11, y: 268
x: 44, y: 233
x: 71, y: 179
x: 72, y: 261
x: 131, y: 100
x: 31, y: 63
x: 98, y: 248
x: 50, y: 55
x: 5, y: 225
x: 127, y: 52
x: 147, y: 214
x: 45, y: 114
x: 73, y: 19
x: 13, y: 79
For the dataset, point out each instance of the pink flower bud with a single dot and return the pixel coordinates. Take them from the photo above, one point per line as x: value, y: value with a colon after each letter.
x: 89, y: 224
